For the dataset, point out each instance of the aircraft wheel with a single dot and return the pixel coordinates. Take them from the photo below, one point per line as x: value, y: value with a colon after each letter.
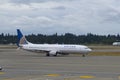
x: 83, y: 55
x: 55, y: 54
x: 47, y: 54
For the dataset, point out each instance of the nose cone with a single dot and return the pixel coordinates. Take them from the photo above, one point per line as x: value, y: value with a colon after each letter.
x: 89, y: 50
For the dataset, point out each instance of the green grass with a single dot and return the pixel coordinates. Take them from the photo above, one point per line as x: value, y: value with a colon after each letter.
x: 104, y: 47
x: 104, y: 54
x: 8, y: 47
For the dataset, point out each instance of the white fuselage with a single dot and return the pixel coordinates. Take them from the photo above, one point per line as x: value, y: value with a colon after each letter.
x: 57, y: 48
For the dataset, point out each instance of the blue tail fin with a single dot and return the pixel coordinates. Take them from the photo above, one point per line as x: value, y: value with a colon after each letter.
x: 21, y: 38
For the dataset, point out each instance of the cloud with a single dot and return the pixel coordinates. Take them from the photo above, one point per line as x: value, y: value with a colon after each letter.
x: 36, y: 1
x: 51, y: 16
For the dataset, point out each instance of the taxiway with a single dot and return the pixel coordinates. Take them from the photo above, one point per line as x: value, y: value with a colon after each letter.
x: 24, y: 65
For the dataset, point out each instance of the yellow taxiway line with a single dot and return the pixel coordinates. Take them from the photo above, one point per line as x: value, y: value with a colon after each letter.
x: 52, y: 75
x: 87, y: 77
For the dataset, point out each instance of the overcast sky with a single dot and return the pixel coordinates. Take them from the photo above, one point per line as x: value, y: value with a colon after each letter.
x: 60, y: 16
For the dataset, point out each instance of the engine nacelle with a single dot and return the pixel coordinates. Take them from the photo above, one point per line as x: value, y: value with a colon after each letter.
x: 54, y: 53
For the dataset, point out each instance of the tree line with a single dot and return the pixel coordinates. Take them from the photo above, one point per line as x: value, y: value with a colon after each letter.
x: 67, y: 38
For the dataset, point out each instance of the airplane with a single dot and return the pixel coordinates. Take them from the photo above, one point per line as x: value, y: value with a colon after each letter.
x: 51, y: 49
x: 116, y: 44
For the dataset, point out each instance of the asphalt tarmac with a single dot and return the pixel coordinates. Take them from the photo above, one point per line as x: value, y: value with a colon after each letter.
x: 24, y: 65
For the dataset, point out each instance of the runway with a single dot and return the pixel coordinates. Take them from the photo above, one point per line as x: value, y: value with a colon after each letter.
x: 24, y: 65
